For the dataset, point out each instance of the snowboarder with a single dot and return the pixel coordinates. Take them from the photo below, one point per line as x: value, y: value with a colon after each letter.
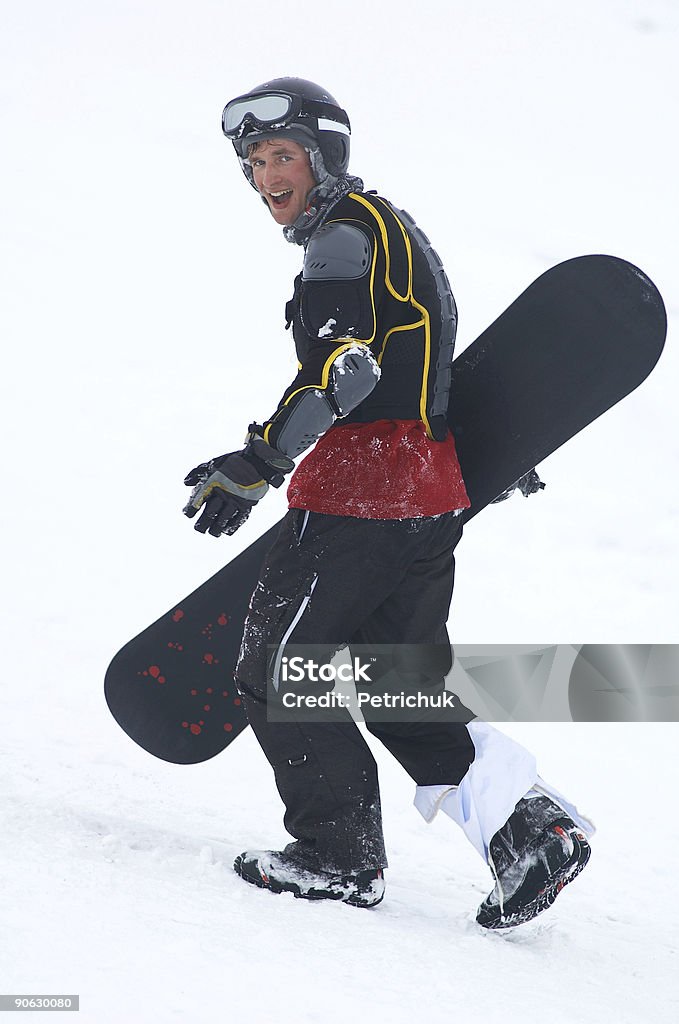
x: 366, y: 551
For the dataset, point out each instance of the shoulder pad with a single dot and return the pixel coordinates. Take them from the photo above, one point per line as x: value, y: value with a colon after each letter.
x: 337, y: 251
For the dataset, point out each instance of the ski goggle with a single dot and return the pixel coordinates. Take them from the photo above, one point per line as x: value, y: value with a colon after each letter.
x: 268, y: 111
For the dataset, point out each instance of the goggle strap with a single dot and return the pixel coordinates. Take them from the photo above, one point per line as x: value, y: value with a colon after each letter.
x: 325, y: 110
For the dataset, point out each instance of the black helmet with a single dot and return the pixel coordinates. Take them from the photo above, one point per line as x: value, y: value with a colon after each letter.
x: 301, y: 111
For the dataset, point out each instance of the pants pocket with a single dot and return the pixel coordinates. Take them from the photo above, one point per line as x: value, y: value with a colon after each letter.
x: 271, y: 620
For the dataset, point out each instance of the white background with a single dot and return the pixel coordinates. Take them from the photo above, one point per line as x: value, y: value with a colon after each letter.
x: 143, y: 287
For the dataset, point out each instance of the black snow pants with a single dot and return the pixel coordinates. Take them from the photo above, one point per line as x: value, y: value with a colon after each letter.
x: 337, y: 580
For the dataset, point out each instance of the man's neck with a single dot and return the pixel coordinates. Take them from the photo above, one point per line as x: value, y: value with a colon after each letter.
x: 316, y: 213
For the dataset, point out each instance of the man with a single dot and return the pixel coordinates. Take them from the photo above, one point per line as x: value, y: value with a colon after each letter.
x: 365, y: 554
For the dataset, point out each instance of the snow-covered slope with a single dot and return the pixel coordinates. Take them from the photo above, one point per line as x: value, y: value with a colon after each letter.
x: 141, y: 317
x: 117, y: 884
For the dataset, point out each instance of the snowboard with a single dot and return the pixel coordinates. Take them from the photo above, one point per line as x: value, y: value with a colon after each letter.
x: 580, y: 338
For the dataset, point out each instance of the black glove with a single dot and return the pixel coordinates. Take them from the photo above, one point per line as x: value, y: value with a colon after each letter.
x: 228, y: 487
x: 529, y: 483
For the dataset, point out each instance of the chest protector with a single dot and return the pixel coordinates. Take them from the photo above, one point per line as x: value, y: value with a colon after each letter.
x: 372, y: 276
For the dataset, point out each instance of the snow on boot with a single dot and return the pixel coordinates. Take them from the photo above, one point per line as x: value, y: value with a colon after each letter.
x: 538, y: 851
x: 281, y: 872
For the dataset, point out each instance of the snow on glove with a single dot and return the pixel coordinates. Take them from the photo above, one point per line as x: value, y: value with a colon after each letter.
x: 228, y: 487
x: 529, y: 483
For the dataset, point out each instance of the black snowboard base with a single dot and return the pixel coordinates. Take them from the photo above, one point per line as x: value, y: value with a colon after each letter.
x: 581, y: 337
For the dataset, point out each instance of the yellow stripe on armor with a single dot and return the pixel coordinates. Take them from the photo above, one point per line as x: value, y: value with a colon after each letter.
x: 406, y: 240
x: 325, y: 374
x: 404, y: 298
x: 425, y: 368
x: 385, y: 240
x: 401, y: 327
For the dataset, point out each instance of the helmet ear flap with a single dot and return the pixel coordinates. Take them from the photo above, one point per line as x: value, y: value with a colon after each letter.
x: 335, y: 153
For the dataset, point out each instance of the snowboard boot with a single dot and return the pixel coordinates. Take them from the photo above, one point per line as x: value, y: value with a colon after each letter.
x: 538, y: 851
x: 284, y: 872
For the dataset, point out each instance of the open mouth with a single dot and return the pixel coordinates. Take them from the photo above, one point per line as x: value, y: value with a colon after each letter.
x: 280, y: 198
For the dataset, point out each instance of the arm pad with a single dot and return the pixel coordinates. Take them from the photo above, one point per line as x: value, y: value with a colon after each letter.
x: 301, y: 421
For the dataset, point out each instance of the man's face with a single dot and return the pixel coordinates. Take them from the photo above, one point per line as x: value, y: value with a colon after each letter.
x: 283, y: 175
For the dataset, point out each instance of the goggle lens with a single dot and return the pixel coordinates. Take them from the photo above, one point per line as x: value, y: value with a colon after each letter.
x: 264, y: 110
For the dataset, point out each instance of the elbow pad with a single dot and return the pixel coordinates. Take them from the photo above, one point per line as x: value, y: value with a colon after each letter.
x: 352, y: 376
